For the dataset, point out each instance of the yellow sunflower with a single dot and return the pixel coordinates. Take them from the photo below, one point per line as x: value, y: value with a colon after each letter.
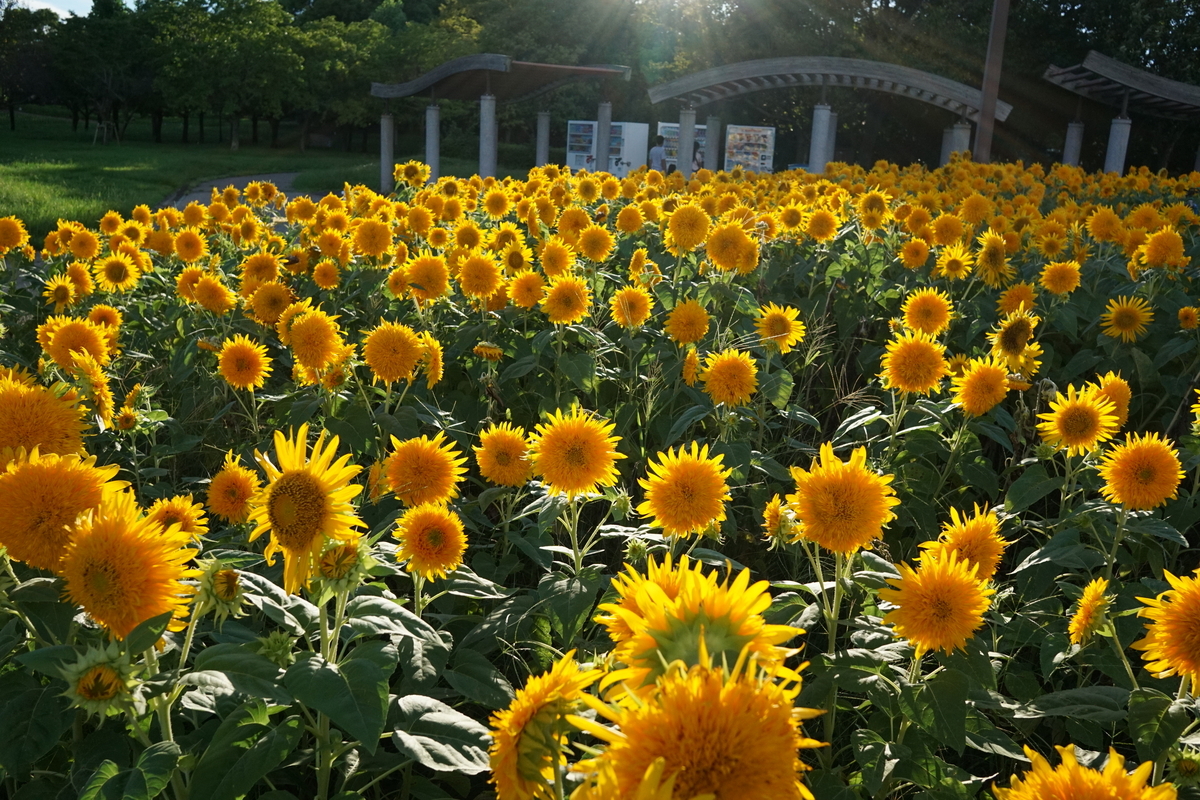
x: 914, y: 253
x: 213, y: 295
x: 686, y: 492
x: 431, y: 540
x: 527, y: 288
x: 315, y: 339
x: 631, y: 306
x: 392, y: 351
x: 106, y: 315
x: 243, y: 363
x: 1089, y: 613
x: 730, y: 377
x: 939, y: 605
x: 691, y: 367
x: 1070, y: 779
x: 428, y: 277
x: 124, y: 569
x: 954, y: 262
x: 928, y: 311
x: 60, y: 292
x: 780, y: 327
x: 1011, y: 338
x: 1126, y: 318
x: 479, y: 275
x: 503, y: 455
x: 595, y: 243
x: 181, y: 511
x: 822, y: 225
x: 1188, y: 316
x: 1018, y: 297
x: 372, y: 238
x: 557, y: 256
x: 1060, y: 277
x: 687, y: 228
x: 231, y: 490
x: 1171, y: 646
x: 574, y: 452
x: 841, y: 505
x: 982, y: 385
x: 1116, y: 389
x: 914, y: 363
x: 190, y: 245
x: 269, y: 301
x: 1078, y: 421
x: 687, y: 323
x: 568, y: 300
x: 35, y: 416
x: 68, y: 335
x: 976, y: 540
x: 1142, y: 473
x: 991, y: 264
x: 305, y: 502
x: 425, y: 470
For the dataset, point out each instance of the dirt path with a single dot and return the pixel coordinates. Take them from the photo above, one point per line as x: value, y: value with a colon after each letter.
x: 202, y: 192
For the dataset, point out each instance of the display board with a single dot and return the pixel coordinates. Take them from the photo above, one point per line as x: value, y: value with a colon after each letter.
x: 750, y: 147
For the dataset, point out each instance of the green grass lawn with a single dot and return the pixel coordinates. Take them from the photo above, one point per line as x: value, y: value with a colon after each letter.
x: 50, y: 172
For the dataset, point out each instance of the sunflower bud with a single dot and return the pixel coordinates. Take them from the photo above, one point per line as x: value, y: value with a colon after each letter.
x: 277, y: 646
x: 101, y: 681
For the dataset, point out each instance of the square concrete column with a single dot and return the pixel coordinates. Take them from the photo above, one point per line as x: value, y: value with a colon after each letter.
x: 603, y: 137
x: 831, y: 138
x: 542, y: 153
x: 433, y: 140
x: 487, y: 136
x: 687, y: 138
x: 1073, y: 144
x: 947, y: 146
x: 712, y: 144
x: 387, y: 154
x: 818, y: 145
x: 1118, y: 143
x: 960, y: 137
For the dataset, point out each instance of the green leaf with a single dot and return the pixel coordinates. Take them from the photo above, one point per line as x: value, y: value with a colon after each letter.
x: 1064, y: 550
x: 240, y: 670
x: 353, y: 695
x: 232, y: 770
x: 982, y: 735
x: 1033, y: 485
x: 106, y: 772
x: 877, y: 758
x: 569, y: 603
x: 519, y: 368
x: 778, y: 387
x: 947, y: 694
x: 580, y: 369
x: 474, y: 677
x: 156, y: 763
x: 145, y: 780
x: 34, y: 721
x: 378, y: 615
x: 438, y: 737
x: 49, y: 660
x: 1098, y: 703
x: 1156, y: 722
x: 685, y: 421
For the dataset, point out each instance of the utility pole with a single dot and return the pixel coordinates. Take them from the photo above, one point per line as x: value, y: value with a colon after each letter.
x: 991, y: 82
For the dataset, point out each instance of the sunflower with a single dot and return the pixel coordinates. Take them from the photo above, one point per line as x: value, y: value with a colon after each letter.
x: 914, y: 253
x: 730, y: 377
x: 1126, y: 318
x: 81, y: 278
x: 1010, y: 339
x: 687, y: 323
x: 914, y: 363
x: 731, y: 249
x: 305, y: 502
x: 41, y: 496
x: 427, y: 275
x: 557, y: 257
x: 631, y: 306
x: 939, y: 605
x: 503, y: 455
x: 106, y: 315
x: 231, y: 490
x: 479, y: 275
x: 822, y: 225
x: 243, y: 363
x: 529, y: 738
x: 433, y: 359
x: 190, y: 246
x: 1072, y: 780
x: 467, y: 235
x: 414, y: 173
x: 527, y: 289
x: 269, y: 301
x: 1060, y: 277
x: 976, y: 540
x: 69, y: 335
x: 84, y: 245
x: 1171, y: 646
x: 691, y: 367
x: 392, y: 351
x: 13, y: 235
x: 982, y: 385
x: 780, y: 327
x: 574, y: 452
x: 595, y: 243
x: 991, y: 264
x: 1163, y: 248
x: 315, y: 339
x: 568, y: 300
x: 954, y: 262
x: 842, y: 506
x: 60, y: 292
x: 687, y: 228
x: 686, y: 492
x: 326, y: 275
x: 1116, y: 389
x: 100, y: 679
x: 431, y: 540
x: 928, y: 311
x: 1078, y: 421
x: 124, y: 569
x: 372, y: 238
x: 726, y: 737
x: 424, y: 470
x: 1188, y: 316
x: 213, y: 295
x: 34, y: 416
x: 630, y: 219
x: 179, y: 510
x: 1090, y: 612
x: 1142, y: 473
x: 1018, y: 297
x: 495, y: 203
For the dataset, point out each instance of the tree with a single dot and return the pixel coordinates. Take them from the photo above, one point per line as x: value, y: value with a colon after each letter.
x: 24, y: 55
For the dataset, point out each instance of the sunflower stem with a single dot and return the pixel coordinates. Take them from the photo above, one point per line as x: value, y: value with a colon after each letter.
x: 1116, y: 643
x: 952, y: 459
x: 1118, y: 535
x: 418, y: 593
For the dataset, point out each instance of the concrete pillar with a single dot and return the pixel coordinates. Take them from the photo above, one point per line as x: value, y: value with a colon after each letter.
x: 818, y: 145
x: 1073, y: 144
x: 712, y: 144
x: 687, y: 137
x: 387, y: 154
x: 603, y: 137
x: 433, y: 140
x: 831, y: 138
x: 542, y: 153
x: 487, y: 136
x: 960, y: 137
x: 1118, y: 143
x: 947, y: 146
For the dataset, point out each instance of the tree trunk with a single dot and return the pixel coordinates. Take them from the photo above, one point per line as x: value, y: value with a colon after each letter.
x: 304, y: 134
x: 201, y: 127
x: 74, y: 118
x: 220, y: 127
x: 254, y: 129
x: 87, y: 117
x: 187, y: 119
x: 349, y: 139
x: 235, y: 129
x: 274, y: 132
x: 156, y: 123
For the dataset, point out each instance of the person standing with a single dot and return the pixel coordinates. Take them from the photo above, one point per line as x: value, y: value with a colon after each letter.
x: 658, y: 154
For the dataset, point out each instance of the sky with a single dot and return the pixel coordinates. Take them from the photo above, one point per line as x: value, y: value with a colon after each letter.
x: 62, y: 7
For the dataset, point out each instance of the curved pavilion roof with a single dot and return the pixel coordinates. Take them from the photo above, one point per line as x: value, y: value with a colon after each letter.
x: 744, y: 77
x: 1116, y: 83
x: 469, y: 77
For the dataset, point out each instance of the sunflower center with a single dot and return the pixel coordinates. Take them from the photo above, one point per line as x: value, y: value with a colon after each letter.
x: 777, y: 327
x: 503, y: 458
x: 940, y: 609
x: 1125, y: 319
x: 435, y: 537
x: 575, y: 455
x: 225, y: 585
x: 99, y: 683
x: 297, y: 509
x: 102, y: 580
x: 1078, y: 424
x: 1146, y: 475
x: 1015, y: 336
x: 117, y: 272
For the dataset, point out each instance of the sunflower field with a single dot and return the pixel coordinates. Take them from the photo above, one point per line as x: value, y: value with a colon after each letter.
x: 872, y: 484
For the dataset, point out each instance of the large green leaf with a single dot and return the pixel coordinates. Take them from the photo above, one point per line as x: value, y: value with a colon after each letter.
x: 379, y: 615
x: 145, y: 780
x: 1098, y: 703
x: 34, y: 721
x: 147, y: 633
x: 438, y: 737
x: 1034, y: 484
x: 244, y: 749
x: 474, y: 677
x: 1156, y: 722
x: 228, y: 668
x: 353, y: 695
x: 947, y: 695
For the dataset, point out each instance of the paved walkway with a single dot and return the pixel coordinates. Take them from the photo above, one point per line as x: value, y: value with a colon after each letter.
x: 202, y: 193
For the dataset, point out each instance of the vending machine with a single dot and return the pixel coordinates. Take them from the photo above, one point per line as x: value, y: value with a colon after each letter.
x: 670, y: 132
x: 627, y: 144
x: 750, y: 147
